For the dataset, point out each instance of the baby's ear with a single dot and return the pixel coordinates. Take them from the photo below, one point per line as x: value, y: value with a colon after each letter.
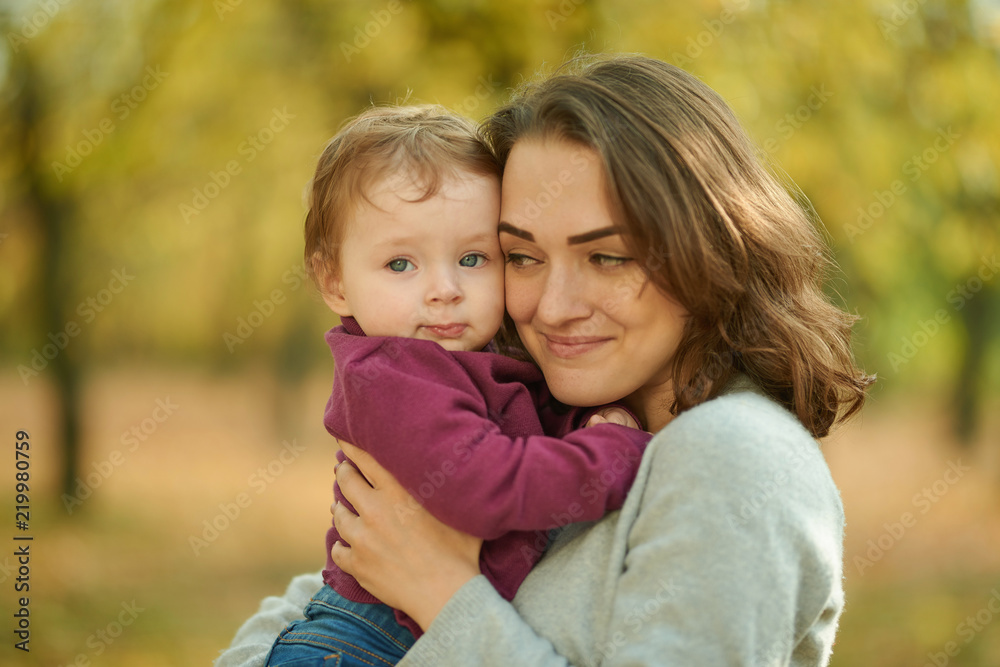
x: 331, y: 287
x: 333, y: 295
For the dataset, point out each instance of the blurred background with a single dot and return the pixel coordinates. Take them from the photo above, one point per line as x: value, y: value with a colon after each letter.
x: 164, y: 355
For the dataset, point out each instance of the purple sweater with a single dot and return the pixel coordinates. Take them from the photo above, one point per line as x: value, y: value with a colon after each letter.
x: 477, y: 439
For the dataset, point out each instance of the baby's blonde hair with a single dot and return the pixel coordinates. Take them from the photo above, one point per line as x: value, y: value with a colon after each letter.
x: 429, y: 143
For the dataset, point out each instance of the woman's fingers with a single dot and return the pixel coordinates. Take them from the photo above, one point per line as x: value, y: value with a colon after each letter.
x: 364, y: 462
x: 346, y: 521
x: 342, y: 556
x: 392, y: 546
x: 352, y: 529
x: 354, y: 486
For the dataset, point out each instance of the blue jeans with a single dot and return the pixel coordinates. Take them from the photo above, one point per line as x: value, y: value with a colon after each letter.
x: 339, y: 633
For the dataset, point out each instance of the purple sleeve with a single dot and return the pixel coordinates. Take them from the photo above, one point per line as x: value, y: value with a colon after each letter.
x: 422, y: 417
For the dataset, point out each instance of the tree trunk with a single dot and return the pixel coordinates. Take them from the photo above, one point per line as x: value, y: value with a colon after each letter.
x: 975, y: 316
x: 52, y: 213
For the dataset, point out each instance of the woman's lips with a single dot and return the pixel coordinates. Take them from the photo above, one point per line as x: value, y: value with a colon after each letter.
x: 447, y: 330
x: 569, y: 347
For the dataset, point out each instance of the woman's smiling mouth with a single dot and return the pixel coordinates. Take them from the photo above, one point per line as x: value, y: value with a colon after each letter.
x: 569, y: 347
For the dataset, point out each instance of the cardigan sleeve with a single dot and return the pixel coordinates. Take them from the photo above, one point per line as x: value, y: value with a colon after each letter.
x: 424, y: 419
x: 733, y: 558
x: 254, y: 639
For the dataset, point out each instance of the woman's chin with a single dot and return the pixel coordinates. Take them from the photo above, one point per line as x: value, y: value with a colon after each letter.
x: 581, y: 393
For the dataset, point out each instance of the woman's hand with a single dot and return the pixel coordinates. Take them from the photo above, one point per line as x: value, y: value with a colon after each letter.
x: 399, y: 552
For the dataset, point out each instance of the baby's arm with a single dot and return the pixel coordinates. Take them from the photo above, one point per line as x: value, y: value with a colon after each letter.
x: 431, y: 428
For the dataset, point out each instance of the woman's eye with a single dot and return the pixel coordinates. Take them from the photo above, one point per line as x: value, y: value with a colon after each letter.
x: 400, y: 265
x: 472, y: 260
x: 609, y: 260
x: 518, y: 259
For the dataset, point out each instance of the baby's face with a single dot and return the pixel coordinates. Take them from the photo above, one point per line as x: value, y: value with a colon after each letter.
x: 428, y: 269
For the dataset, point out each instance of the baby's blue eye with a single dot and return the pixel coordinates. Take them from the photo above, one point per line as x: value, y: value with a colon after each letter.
x: 472, y: 260
x: 400, y: 265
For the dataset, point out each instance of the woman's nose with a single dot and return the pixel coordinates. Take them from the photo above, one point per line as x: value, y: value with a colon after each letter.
x: 563, y: 298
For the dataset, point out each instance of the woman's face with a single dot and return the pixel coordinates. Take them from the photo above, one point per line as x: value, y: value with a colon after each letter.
x: 598, y: 329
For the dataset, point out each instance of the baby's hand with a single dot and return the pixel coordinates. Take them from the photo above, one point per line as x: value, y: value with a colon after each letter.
x: 612, y: 416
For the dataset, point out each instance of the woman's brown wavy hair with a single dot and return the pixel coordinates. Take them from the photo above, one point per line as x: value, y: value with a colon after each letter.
x: 713, y: 227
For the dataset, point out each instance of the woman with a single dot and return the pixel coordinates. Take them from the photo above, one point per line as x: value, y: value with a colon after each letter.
x: 651, y: 260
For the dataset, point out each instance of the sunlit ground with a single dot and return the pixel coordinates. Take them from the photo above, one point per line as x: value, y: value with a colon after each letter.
x: 119, y: 581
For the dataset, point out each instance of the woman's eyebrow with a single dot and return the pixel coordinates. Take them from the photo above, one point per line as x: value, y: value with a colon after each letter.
x: 586, y: 237
x: 514, y: 231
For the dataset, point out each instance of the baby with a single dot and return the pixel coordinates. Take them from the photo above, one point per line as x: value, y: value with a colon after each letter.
x: 401, y: 238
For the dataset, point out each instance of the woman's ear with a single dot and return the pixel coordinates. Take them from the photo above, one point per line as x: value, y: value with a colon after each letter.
x: 331, y: 287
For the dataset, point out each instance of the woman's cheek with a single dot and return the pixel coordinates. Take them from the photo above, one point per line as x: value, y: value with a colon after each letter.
x: 519, y: 296
x: 624, y: 290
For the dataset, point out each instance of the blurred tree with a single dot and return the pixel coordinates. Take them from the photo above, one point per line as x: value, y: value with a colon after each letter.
x: 52, y: 212
x: 884, y: 114
x: 50, y: 200
x: 945, y: 63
